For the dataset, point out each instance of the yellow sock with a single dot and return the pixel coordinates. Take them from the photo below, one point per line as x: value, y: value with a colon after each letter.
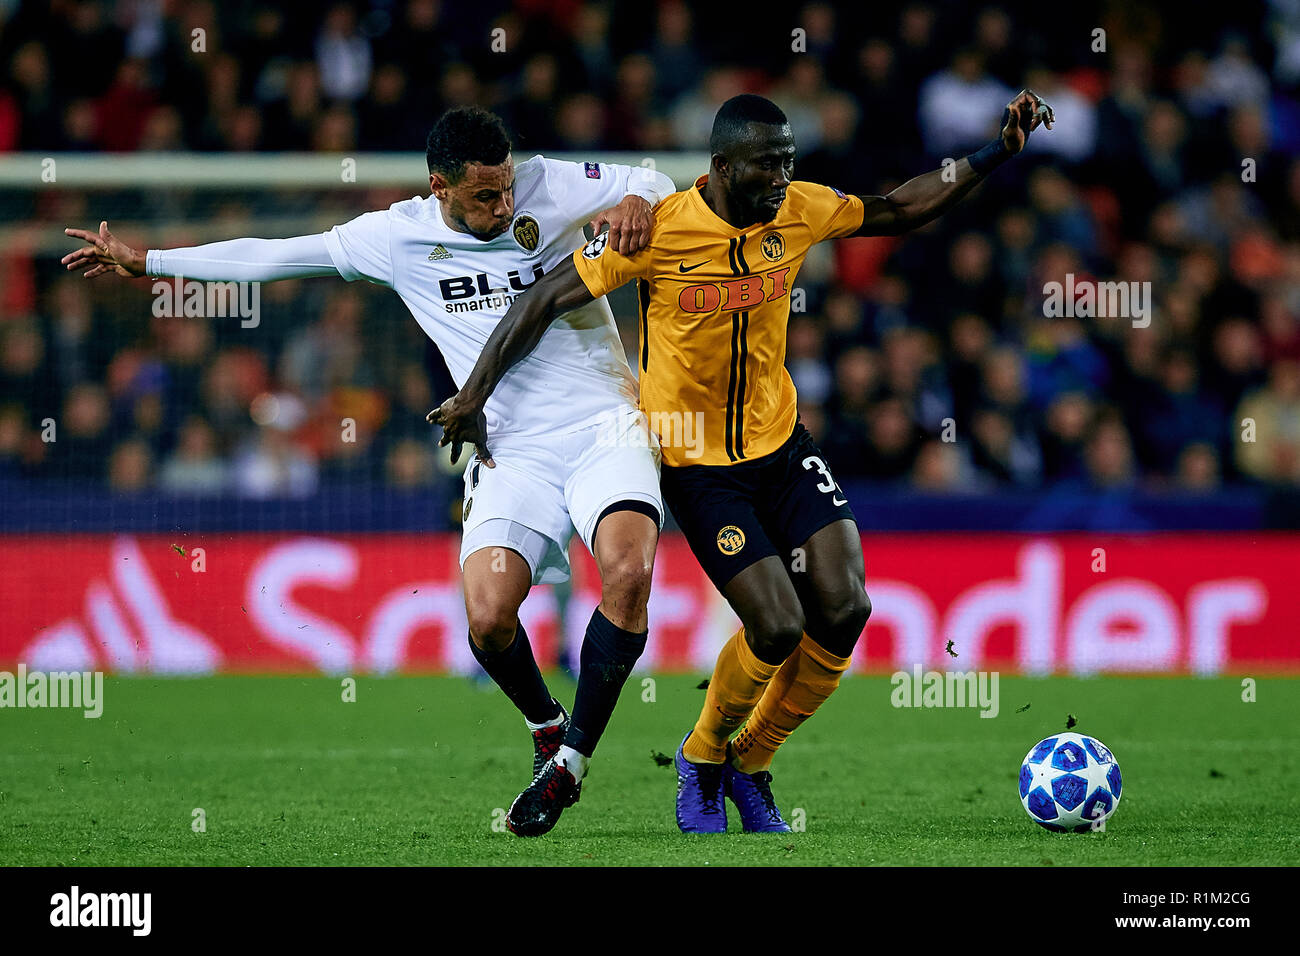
x: 735, y: 687
x: 805, y: 680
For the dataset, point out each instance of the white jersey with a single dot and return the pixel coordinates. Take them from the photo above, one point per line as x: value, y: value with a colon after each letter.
x: 458, y: 288
x: 562, y: 424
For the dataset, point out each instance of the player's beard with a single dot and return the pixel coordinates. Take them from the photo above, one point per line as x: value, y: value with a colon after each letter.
x: 457, y: 215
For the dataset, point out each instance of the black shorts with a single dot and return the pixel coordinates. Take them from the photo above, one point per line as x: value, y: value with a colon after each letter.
x: 735, y: 515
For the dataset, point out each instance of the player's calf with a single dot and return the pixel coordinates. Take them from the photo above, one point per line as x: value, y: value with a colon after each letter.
x: 624, y: 542
x: 499, y: 643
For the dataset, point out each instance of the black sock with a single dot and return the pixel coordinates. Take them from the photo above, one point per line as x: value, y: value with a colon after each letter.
x: 516, y: 673
x: 608, y: 653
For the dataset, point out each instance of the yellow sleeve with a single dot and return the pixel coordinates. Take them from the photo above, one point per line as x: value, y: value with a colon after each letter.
x: 831, y: 213
x: 603, y: 269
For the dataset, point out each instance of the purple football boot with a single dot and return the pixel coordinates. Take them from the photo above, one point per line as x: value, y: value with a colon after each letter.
x: 752, y: 795
x: 700, y: 805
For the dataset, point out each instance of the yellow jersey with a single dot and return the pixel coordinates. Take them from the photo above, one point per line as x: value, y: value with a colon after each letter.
x: 714, y: 307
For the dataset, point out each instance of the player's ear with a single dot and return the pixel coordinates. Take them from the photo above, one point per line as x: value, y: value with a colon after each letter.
x: 720, y: 165
x: 438, y: 186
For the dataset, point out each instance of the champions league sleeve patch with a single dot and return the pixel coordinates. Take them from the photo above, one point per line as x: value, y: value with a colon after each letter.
x: 593, y: 170
x: 593, y: 249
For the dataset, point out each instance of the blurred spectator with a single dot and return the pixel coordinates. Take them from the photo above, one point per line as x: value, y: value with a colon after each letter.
x: 82, y: 439
x: 1061, y: 216
x: 410, y: 464
x: 692, y: 117
x: 289, y: 123
x: 942, y: 468
x: 29, y: 73
x: 1232, y: 79
x: 960, y: 107
x: 24, y: 373
x: 530, y: 112
x: 997, y: 451
x: 271, y: 465
x: 675, y: 57
x: 893, y: 442
x: 580, y: 124
x: 342, y: 55
x: 195, y: 466
x: 1198, y: 468
x: 1068, y: 420
x: 837, y: 160
x: 130, y: 467
x: 1109, y: 456
x: 329, y: 353
x: 13, y: 438
x: 1073, y: 137
x: 633, y: 102
x: 1180, y: 414
x: 390, y: 119
x: 1272, y: 453
x: 800, y: 93
x: 803, y: 351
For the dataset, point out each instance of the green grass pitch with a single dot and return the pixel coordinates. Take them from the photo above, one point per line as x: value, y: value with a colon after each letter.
x: 418, y: 770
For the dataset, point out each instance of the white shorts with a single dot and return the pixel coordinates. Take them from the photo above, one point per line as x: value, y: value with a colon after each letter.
x: 544, y: 488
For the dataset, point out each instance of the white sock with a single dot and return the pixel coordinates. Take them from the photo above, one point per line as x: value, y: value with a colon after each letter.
x: 572, y: 761
x: 553, y: 722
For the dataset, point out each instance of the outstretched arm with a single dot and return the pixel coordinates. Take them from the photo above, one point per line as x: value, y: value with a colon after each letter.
x: 234, y: 260
x: 929, y: 196
x: 517, y: 334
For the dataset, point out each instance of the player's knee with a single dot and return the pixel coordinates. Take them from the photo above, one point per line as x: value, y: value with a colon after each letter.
x: 625, y: 581
x: 492, y: 625
x: 775, y: 636
x: 848, y: 616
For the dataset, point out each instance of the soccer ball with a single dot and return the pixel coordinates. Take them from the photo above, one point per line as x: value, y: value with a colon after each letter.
x: 1070, y: 782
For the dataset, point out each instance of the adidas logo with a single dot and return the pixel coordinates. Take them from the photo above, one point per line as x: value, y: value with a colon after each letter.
x: 439, y: 252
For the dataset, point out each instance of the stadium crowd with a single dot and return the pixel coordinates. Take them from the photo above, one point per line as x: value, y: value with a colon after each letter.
x: 927, y: 361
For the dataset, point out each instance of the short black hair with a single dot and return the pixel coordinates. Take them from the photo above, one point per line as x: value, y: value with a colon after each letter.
x: 736, y: 114
x: 466, y: 135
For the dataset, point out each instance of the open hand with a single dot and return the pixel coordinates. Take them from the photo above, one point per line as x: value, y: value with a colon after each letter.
x: 106, y: 253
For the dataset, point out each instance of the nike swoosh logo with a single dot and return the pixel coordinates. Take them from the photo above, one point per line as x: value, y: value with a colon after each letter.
x: 836, y: 500
x: 681, y: 266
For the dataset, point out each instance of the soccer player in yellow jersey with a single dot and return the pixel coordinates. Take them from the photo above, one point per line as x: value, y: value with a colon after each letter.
x: 755, y: 497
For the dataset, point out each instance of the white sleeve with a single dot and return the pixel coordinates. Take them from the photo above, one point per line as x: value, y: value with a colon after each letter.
x: 245, y: 260
x: 584, y: 189
x: 360, y: 247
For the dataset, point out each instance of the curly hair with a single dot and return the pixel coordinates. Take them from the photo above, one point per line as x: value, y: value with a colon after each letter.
x: 466, y: 135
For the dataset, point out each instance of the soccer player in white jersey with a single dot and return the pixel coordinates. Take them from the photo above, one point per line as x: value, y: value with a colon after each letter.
x: 569, y: 450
